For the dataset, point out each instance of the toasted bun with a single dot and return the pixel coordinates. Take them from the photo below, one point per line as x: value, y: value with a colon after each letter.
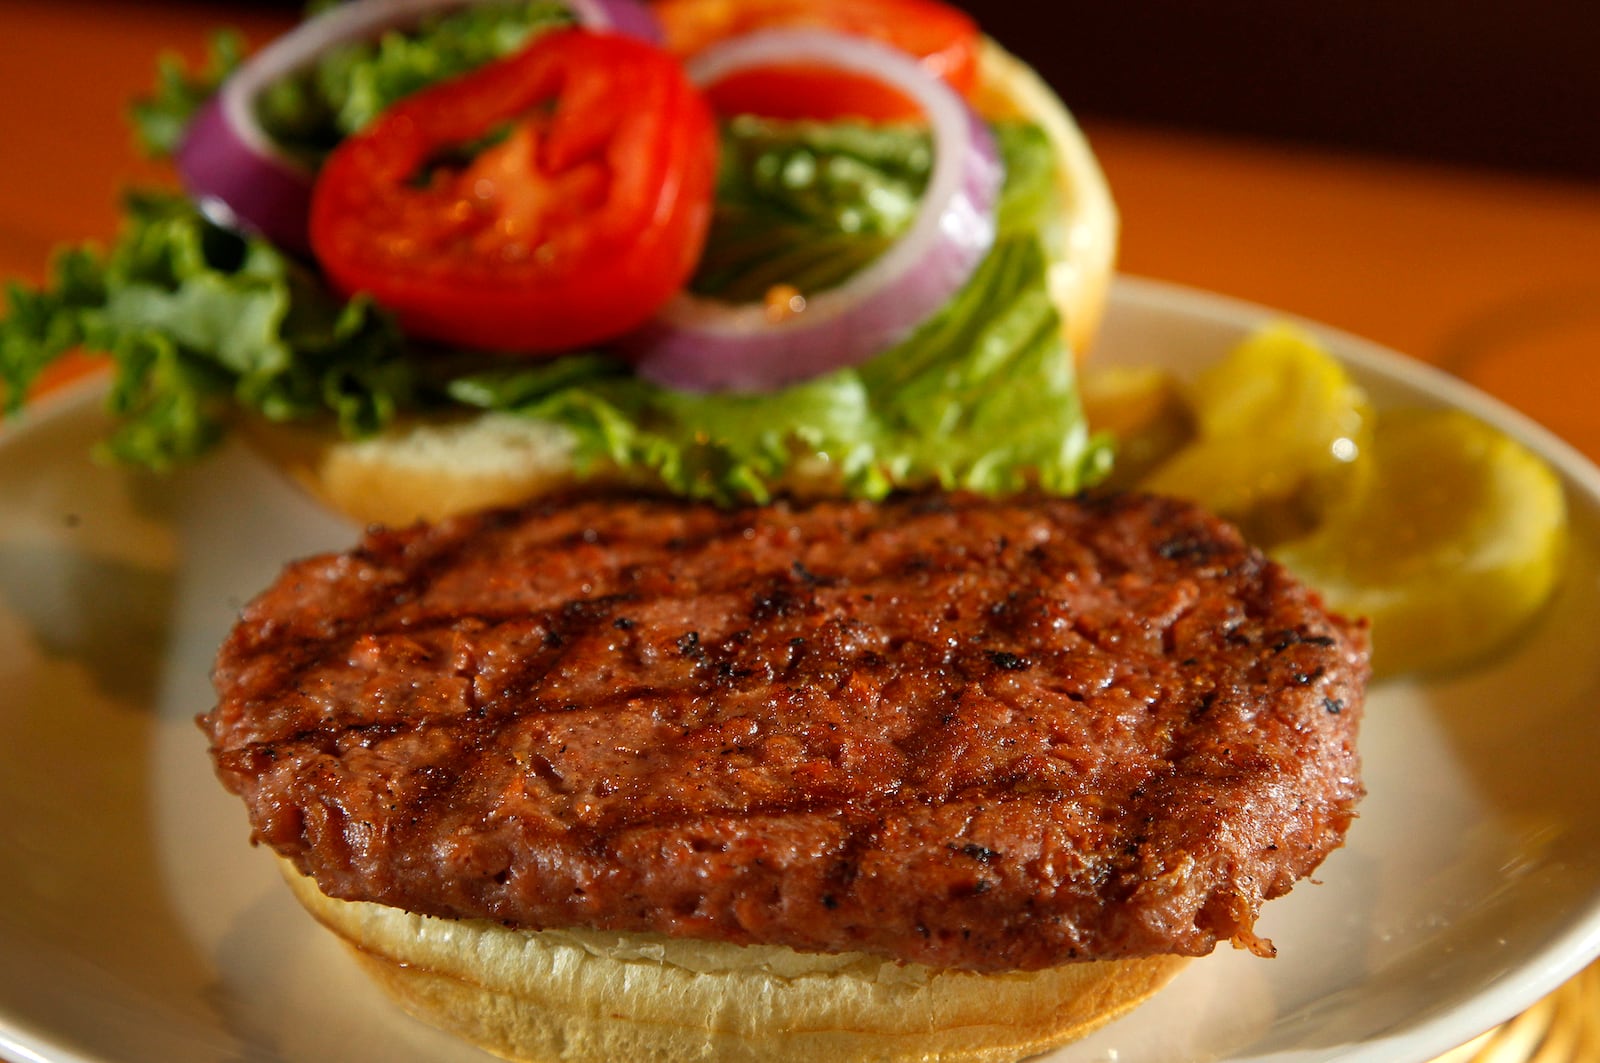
x: 429, y: 469
x: 577, y: 995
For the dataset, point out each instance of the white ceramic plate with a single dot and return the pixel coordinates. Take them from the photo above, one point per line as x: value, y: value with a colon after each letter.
x: 137, y: 924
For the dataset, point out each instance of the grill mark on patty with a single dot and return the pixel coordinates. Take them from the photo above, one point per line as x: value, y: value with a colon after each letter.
x: 589, y: 617
x: 855, y: 701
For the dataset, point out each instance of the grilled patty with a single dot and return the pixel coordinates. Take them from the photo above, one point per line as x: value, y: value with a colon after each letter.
x: 970, y: 733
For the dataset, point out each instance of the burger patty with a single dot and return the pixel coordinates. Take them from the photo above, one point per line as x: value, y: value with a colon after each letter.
x: 970, y: 733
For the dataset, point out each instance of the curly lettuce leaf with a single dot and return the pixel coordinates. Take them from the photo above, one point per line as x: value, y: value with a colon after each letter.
x: 983, y: 397
x: 199, y: 322
x: 353, y: 83
x: 160, y: 118
x: 348, y: 85
x: 202, y: 323
x: 808, y: 203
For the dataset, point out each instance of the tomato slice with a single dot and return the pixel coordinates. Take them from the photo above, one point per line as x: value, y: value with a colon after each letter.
x: 552, y: 199
x: 796, y: 91
x: 943, y: 38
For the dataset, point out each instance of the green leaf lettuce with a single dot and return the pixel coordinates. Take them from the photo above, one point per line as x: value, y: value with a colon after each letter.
x: 202, y: 323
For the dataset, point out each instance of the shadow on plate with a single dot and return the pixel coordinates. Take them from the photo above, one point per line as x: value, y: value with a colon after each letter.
x: 94, y: 960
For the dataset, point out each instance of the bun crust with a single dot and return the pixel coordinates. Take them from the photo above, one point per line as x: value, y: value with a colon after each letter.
x: 428, y: 470
x: 580, y: 995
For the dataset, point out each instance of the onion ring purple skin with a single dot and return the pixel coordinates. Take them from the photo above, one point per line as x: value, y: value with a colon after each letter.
x: 700, y: 344
x: 626, y: 17
x: 238, y: 187
x: 241, y: 179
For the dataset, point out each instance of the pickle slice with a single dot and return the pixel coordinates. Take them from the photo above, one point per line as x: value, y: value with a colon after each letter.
x: 1453, y: 543
x: 1279, y: 426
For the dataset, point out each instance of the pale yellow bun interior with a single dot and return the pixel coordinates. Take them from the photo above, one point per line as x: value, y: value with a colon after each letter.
x: 427, y: 470
x: 585, y: 995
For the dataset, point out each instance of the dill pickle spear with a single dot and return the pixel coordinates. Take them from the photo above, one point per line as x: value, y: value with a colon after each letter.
x: 1279, y: 428
x: 1452, y: 545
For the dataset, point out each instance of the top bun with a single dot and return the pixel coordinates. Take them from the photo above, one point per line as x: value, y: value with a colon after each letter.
x: 431, y: 468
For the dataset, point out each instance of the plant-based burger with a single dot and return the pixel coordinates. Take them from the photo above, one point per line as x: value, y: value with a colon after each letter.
x: 939, y: 775
x: 436, y: 254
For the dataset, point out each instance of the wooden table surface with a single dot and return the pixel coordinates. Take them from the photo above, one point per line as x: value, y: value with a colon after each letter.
x: 1492, y: 276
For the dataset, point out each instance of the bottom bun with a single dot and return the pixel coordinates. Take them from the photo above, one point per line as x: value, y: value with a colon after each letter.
x: 589, y: 995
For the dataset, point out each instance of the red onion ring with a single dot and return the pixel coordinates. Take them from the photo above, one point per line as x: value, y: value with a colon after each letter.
x: 242, y: 179
x: 700, y: 344
x: 627, y: 17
